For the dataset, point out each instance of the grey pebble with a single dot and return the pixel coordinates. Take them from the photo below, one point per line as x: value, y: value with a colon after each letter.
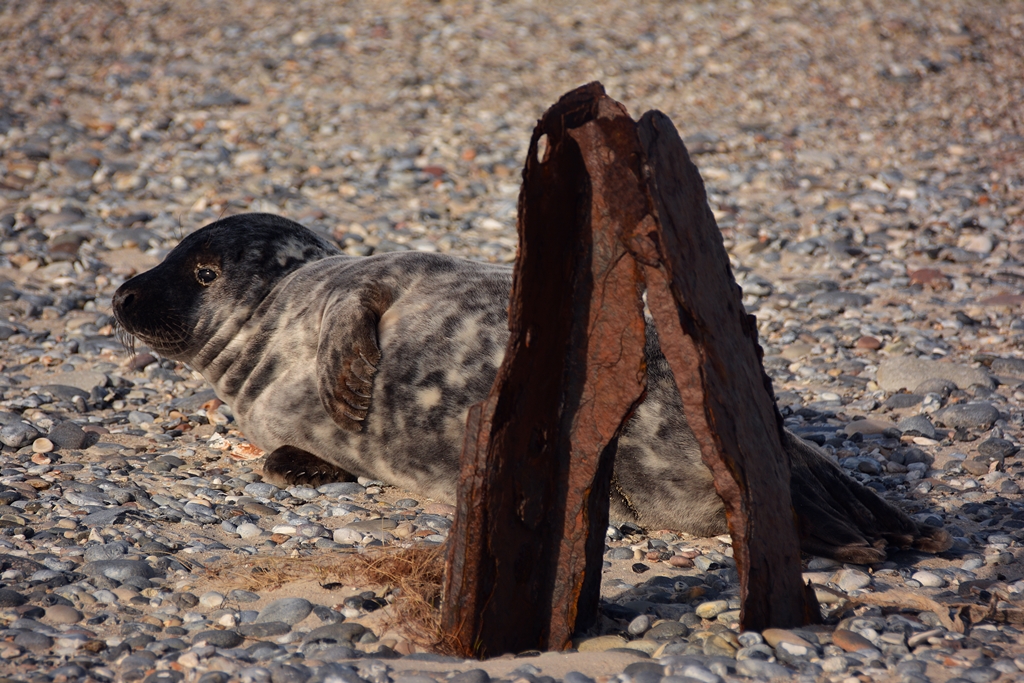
x: 106, y: 551
x: 907, y: 372
x: 119, y: 570
x: 339, y: 633
x: 342, y: 488
x: 18, y: 434
x: 917, y: 424
x: 757, y: 668
x: 261, y: 489
x: 264, y: 629
x: 839, y: 299
x: 226, y: 638
x: 34, y: 641
x: 1008, y: 367
x: 639, y: 625
x: 481, y: 676
x: 287, y: 610
x: 570, y: 677
x: 11, y: 598
x: 997, y: 448
x: 979, y: 415
x: 981, y: 674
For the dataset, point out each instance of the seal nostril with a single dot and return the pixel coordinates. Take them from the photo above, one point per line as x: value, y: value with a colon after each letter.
x: 123, y: 300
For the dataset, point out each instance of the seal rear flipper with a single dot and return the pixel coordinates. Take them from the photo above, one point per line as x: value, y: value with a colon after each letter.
x: 347, y: 355
x: 840, y: 518
x: 293, y: 466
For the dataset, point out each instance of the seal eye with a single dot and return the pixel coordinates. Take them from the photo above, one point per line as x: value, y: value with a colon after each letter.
x: 206, y: 276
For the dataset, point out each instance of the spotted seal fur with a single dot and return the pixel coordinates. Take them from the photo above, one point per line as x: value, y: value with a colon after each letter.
x: 340, y: 366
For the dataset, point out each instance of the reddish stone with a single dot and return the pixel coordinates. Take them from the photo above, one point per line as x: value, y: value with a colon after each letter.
x: 680, y: 561
x: 869, y: 343
x: 850, y: 641
x: 1004, y: 300
x: 927, y: 276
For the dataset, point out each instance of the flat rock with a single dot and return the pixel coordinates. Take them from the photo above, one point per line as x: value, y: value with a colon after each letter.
x: 868, y: 426
x: 84, y: 380
x: 979, y: 415
x: 907, y: 372
x: 997, y: 448
x: 850, y: 641
x: 118, y: 570
x: 288, y: 610
x: 1008, y: 367
x: 917, y: 424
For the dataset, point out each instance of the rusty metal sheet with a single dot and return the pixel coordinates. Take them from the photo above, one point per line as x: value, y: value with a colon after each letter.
x: 526, y: 548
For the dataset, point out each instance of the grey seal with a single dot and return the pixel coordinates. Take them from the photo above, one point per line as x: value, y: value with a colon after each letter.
x: 341, y: 366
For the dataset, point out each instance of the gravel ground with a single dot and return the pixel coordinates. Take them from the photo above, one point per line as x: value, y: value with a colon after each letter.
x: 862, y: 160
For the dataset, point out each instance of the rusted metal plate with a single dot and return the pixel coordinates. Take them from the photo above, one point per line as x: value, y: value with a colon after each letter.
x: 607, y: 208
x: 711, y: 345
x: 525, y: 550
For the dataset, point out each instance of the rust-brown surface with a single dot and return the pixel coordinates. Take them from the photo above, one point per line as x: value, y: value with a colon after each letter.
x: 608, y: 207
x: 711, y: 344
x: 525, y: 557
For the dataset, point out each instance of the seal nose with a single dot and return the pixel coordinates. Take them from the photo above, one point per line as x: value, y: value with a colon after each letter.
x: 122, y: 300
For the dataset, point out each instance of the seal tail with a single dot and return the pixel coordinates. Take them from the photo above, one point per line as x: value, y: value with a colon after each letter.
x: 840, y: 518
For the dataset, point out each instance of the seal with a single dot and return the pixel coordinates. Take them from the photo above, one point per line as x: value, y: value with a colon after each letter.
x: 341, y: 366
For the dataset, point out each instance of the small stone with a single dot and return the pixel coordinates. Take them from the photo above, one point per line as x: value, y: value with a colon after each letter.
x: 42, y: 445
x: 869, y: 343
x: 338, y: 633
x: 211, y: 600
x: 225, y: 638
x: 851, y: 579
x: 266, y: 629
x: 680, y: 561
x: 248, y: 530
x: 261, y: 489
x: 288, y: 610
x: 997, y: 448
x: 838, y: 299
x: 717, y: 646
x: 850, y: 641
x: 667, y: 630
x: 928, y: 579
x: 481, y: 676
x: 11, y: 598
x: 118, y: 570
x: 68, y: 436
x: 775, y: 636
x: 34, y: 641
x: 917, y: 425
x: 1008, y: 367
x: 868, y: 427
x: 63, y: 614
x: 640, y: 625
x: 980, y: 415
x: 757, y: 668
x: 942, y: 387
x: 711, y: 609
x: 600, y: 643
x: 906, y: 372
x: 18, y: 434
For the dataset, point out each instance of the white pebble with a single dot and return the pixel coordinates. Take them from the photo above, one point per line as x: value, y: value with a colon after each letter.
x: 929, y: 579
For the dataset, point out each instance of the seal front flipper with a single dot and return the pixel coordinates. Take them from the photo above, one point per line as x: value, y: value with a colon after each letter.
x: 840, y: 518
x: 294, y: 467
x: 348, y: 353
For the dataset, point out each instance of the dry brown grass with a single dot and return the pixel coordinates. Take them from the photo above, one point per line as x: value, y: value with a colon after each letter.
x: 415, y: 574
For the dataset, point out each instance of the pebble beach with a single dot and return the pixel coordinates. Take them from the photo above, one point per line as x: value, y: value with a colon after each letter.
x: 863, y: 162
